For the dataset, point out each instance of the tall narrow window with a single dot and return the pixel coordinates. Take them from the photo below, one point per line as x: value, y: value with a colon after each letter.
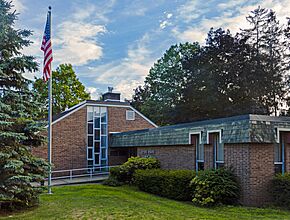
x: 195, y: 140
x: 97, y: 136
x: 218, y: 149
x: 279, y: 150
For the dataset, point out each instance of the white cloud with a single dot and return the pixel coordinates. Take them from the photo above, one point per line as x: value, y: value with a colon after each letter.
x: 169, y: 15
x: 76, y: 39
x: 232, y: 17
x: 129, y: 72
x: 18, y: 6
x: 95, y: 94
x: 163, y: 24
x: 192, y: 10
x: 76, y: 42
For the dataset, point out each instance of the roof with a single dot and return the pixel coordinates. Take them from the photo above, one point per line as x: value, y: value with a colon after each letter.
x: 236, y: 129
x: 114, y: 103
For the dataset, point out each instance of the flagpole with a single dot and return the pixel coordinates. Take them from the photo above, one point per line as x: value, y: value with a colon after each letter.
x: 49, y: 117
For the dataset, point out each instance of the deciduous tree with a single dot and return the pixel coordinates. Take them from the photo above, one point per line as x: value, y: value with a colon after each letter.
x: 67, y: 90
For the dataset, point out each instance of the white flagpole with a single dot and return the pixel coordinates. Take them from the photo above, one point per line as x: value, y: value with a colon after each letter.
x: 49, y: 116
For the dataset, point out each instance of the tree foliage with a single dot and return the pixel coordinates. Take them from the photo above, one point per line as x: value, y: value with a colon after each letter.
x: 164, y: 84
x: 18, y: 129
x: 230, y: 75
x: 67, y: 90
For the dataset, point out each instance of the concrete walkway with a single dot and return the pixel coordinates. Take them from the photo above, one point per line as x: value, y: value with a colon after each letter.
x: 77, y: 180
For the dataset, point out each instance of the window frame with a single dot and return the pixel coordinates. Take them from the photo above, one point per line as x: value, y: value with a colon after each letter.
x: 98, y: 113
x: 217, y: 163
x: 127, y: 114
x: 279, y: 132
x: 199, y: 143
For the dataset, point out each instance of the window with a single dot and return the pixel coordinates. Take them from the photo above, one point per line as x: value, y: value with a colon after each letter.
x: 195, y: 140
x: 130, y: 115
x: 97, y: 136
x: 279, y: 151
x: 214, y: 138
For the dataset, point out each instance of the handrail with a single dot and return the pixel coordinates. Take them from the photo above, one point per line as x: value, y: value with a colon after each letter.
x: 92, y: 171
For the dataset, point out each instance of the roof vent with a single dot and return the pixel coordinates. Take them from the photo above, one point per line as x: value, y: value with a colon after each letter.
x: 111, y: 96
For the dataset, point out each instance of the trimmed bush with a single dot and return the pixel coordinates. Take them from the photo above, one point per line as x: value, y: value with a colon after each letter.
x: 173, y: 184
x: 112, y: 181
x: 280, y: 190
x: 213, y: 187
x: 124, y: 173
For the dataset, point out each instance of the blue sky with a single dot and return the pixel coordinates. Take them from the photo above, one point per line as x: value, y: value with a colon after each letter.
x: 114, y: 43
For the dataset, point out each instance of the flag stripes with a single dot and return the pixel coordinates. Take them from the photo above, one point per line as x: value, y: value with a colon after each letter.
x: 46, y: 47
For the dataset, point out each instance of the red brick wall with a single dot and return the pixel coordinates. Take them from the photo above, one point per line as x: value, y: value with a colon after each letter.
x: 117, y: 121
x: 262, y: 172
x: 208, y: 156
x: 287, y: 157
x: 70, y: 136
x: 69, y: 142
x: 171, y: 157
x: 254, y: 165
x: 237, y: 156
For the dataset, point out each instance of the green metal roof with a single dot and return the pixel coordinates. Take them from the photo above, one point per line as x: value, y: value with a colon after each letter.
x: 237, y: 129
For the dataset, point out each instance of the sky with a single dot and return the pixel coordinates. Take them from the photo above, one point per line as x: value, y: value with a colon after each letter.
x: 115, y: 42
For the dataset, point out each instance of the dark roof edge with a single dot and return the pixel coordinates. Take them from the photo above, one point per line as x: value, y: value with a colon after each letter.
x: 189, y: 124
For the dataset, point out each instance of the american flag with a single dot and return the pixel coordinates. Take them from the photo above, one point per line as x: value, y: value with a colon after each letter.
x: 47, y: 50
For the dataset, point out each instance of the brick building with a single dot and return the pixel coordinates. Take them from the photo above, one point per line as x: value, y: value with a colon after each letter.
x: 254, y: 146
x: 100, y: 133
x: 80, y: 134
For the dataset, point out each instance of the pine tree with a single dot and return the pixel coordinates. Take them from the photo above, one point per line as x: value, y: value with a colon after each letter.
x: 18, y: 131
x: 266, y: 37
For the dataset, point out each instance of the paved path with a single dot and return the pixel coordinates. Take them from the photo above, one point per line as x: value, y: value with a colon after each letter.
x: 77, y: 180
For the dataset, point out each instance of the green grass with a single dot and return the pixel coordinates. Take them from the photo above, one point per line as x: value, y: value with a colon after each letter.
x: 96, y: 201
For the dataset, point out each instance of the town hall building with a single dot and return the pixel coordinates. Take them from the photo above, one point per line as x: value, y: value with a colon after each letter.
x: 108, y: 132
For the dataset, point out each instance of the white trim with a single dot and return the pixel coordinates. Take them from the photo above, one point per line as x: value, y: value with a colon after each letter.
x: 143, y: 116
x: 214, y: 131
x: 114, y: 132
x: 73, y: 111
x: 189, y: 136
x: 278, y: 133
x: 84, y: 103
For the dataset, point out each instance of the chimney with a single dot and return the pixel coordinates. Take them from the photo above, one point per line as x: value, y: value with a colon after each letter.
x: 110, y: 95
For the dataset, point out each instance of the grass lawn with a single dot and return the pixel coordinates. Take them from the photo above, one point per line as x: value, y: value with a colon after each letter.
x: 96, y: 201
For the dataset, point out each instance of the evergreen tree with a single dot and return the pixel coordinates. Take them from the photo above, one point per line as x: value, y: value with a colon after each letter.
x: 18, y: 131
x: 67, y: 90
x: 268, y: 68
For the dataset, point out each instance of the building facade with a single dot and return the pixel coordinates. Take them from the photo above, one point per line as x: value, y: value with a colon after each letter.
x: 95, y: 134
x: 254, y: 146
x: 80, y: 135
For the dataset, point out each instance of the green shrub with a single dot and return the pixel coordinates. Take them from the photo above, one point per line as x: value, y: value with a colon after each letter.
x: 124, y: 173
x: 280, y: 190
x: 173, y: 184
x: 212, y: 187
x: 112, y: 181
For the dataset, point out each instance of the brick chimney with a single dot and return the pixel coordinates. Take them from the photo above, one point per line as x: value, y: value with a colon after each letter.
x: 110, y: 95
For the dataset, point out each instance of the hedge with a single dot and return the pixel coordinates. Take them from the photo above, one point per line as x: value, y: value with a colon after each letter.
x: 213, y: 187
x: 280, y: 190
x: 173, y: 184
x: 124, y: 173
